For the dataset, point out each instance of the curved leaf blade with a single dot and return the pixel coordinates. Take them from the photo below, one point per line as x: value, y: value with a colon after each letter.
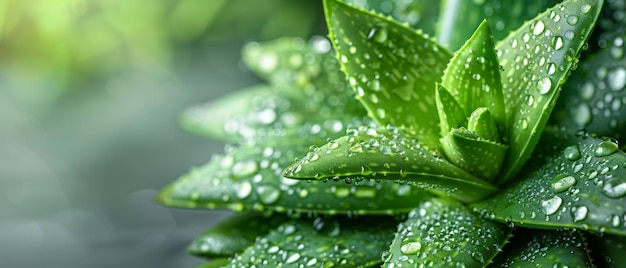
x: 576, y: 182
x: 473, y: 77
x: 233, y: 234
x: 249, y: 178
x: 547, y: 248
x: 392, y: 68
x: 480, y: 157
x: 389, y: 154
x: 549, y: 44
x: 451, y: 114
x: 445, y: 232
x: 322, y: 242
x: 418, y: 14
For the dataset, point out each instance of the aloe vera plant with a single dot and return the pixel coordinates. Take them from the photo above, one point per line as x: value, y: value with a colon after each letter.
x: 385, y: 146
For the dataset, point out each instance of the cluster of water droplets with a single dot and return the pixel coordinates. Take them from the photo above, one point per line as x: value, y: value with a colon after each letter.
x: 439, y: 232
x: 545, y: 249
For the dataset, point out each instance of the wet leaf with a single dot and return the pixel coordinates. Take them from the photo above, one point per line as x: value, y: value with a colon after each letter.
x: 473, y: 77
x: 392, y: 68
x: 536, y: 59
x: 445, y: 233
x: 593, y: 98
x: 545, y: 249
x: 451, y: 114
x: 573, y: 182
x: 483, y: 125
x: 249, y: 178
x: 214, y: 263
x: 418, y: 14
x: 480, y: 157
x: 460, y: 18
x: 388, y: 154
x: 322, y: 242
x: 233, y: 234
x: 307, y: 91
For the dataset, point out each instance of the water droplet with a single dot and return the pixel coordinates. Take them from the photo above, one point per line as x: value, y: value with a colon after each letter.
x: 617, y: 79
x: 293, y: 258
x: 572, y: 153
x: 273, y: 249
x: 378, y: 33
x: 477, y: 256
x: 587, y: 91
x: 583, y: 114
x: 614, y: 188
x: 551, y: 205
x: 538, y: 28
x: 569, y: 34
x: 585, y: 8
x: 411, y: 248
x: 352, y: 50
x: 244, y: 168
x: 544, y: 84
x: 268, y: 194
x: 311, y: 262
x: 268, y: 62
x: 244, y: 190
x: 605, y: 148
x: 524, y: 123
x: 572, y: 20
x: 579, y: 213
x: 562, y: 183
x: 615, y: 221
x: 530, y: 100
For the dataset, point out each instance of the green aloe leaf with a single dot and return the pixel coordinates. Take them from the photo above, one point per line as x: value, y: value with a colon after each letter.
x: 249, y: 178
x: 233, y: 234
x: 536, y: 59
x: 417, y: 13
x: 480, y: 157
x: 608, y: 250
x: 593, y: 97
x: 314, y: 95
x: 483, y: 125
x: 473, y: 77
x: 392, y: 68
x: 460, y: 18
x: 388, y: 154
x: 574, y: 182
x: 446, y: 233
x: 546, y: 249
x: 322, y: 242
x: 451, y: 114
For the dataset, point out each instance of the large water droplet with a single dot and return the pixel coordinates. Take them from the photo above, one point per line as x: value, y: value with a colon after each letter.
x: 293, y: 258
x: 614, y: 188
x: 585, y: 8
x: 551, y: 205
x: 268, y: 194
x: 544, y: 84
x: 244, y: 190
x: 378, y: 33
x: 411, y: 247
x: 579, y: 213
x: 538, y: 27
x: 583, y: 114
x: 616, y: 79
x: 244, y: 168
x: 562, y: 183
x: 572, y: 20
x: 572, y: 153
x: 605, y: 148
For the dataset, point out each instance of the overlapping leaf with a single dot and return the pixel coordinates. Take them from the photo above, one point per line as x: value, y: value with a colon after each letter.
x: 608, y: 250
x: 392, y: 68
x: 545, y: 249
x: 460, y: 18
x: 322, y: 242
x: 233, y: 234
x: 536, y: 59
x: 446, y: 233
x: 250, y: 178
x: 389, y: 154
x: 574, y: 182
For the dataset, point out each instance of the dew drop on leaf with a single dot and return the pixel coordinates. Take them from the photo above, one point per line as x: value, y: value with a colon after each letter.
x: 410, y: 247
x: 605, y: 148
x: 614, y: 188
x: 244, y: 168
x: 579, y: 213
x: 572, y: 20
x: 572, y: 153
x: 378, y: 34
x: 562, y: 183
x: 538, y: 28
x: 244, y: 190
x: 583, y: 114
x: 544, y: 85
x: 551, y: 205
x: 617, y: 79
x: 268, y: 194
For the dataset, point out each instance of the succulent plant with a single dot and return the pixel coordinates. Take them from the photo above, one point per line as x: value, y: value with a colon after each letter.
x: 384, y: 147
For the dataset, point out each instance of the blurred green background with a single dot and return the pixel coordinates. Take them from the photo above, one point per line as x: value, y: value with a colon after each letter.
x: 90, y: 94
